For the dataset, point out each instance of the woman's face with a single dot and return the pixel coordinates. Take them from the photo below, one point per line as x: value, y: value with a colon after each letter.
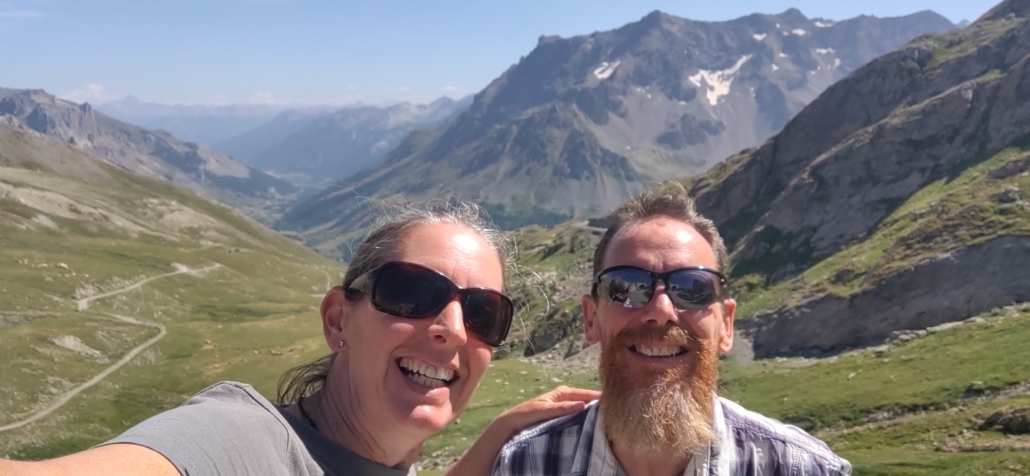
x: 385, y: 354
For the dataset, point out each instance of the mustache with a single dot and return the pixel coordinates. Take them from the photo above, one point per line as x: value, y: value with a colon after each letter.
x: 666, y: 335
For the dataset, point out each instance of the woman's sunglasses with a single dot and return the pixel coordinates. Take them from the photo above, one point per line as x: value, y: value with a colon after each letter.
x: 415, y: 291
x: 688, y: 288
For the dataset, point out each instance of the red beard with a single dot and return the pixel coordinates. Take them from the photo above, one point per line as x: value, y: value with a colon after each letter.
x: 666, y: 411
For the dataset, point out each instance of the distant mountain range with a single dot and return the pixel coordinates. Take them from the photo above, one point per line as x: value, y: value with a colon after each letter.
x: 312, y: 147
x: 582, y: 123
x: 144, y: 152
x: 203, y: 124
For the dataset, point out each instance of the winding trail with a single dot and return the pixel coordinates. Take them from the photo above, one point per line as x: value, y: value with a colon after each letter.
x: 83, y: 304
x: 64, y: 398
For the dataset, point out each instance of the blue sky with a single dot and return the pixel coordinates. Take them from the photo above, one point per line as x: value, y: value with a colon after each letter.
x: 327, y: 52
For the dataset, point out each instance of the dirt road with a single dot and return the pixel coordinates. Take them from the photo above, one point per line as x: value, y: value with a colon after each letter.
x: 65, y: 397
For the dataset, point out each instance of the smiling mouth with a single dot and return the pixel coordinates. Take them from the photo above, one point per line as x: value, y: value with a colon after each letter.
x: 424, y: 374
x: 658, y: 350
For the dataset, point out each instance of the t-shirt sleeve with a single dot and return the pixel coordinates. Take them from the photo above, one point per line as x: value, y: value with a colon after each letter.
x: 217, y: 432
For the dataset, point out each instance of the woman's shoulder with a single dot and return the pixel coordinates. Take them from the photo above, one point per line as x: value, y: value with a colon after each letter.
x: 229, y: 392
x: 226, y: 425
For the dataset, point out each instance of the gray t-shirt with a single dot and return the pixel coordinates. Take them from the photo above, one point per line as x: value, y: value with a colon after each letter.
x: 230, y: 429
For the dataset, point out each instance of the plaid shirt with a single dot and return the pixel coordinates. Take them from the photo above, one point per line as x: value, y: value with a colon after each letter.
x: 748, y: 444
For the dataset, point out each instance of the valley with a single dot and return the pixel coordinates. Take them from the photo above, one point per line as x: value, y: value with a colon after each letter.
x: 871, y: 178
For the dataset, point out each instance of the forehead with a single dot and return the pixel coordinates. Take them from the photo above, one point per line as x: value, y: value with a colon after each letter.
x: 454, y: 250
x: 659, y: 244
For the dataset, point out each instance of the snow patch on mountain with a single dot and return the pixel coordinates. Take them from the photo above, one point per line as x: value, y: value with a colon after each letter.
x: 799, y: 32
x: 606, y: 70
x: 759, y: 36
x: 717, y: 82
x: 824, y: 51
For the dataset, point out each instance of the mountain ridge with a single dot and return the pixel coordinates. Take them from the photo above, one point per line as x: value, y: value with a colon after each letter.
x: 580, y: 124
x: 149, y: 153
x: 326, y: 146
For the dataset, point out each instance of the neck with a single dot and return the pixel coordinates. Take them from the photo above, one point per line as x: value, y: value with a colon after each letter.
x: 340, y: 415
x: 649, y: 464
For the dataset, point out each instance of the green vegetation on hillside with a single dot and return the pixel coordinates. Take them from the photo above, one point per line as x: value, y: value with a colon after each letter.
x: 976, y: 204
x: 95, y: 260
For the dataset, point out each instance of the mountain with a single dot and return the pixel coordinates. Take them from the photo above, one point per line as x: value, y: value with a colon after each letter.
x: 581, y: 123
x: 203, y: 124
x: 134, y: 291
x: 149, y: 153
x: 247, y: 144
x: 328, y: 146
x: 896, y: 201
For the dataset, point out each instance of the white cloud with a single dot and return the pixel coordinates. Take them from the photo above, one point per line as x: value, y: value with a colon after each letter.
x: 262, y: 97
x: 453, y: 89
x: 13, y: 16
x: 92, y: 93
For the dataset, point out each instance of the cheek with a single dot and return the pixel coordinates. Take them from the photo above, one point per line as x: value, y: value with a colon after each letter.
x: 479, y: 356
x: 705, y: 323
x: 611, y: 321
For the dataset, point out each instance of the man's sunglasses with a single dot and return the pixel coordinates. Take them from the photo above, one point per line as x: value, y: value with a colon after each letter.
x: 415, y: 291
x: 688, y: 288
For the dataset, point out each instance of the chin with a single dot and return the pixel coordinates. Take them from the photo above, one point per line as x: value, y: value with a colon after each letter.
x: 430, y: 418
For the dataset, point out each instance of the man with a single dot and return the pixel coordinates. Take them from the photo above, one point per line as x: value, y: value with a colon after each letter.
x: 660, y: 311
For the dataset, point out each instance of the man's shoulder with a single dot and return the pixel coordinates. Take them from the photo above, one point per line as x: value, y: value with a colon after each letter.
x: 545, y: 448
x: 779, y: 439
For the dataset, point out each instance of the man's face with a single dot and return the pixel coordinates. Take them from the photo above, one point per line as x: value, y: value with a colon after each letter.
x: 658, y: 244
x: 658, y: 363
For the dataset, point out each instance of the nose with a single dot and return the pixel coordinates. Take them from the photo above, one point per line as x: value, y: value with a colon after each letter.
x: 660, y: 310
x: 448, y: 327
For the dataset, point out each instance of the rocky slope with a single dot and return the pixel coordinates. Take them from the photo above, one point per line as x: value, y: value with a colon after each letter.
x: 581, y: 123
x: 896, y: 200
x: 155, y: 154
x: 318, y: 148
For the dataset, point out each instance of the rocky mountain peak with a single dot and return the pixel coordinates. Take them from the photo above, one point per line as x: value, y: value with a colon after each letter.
x: 581, y: 123
x: 1008, y: 9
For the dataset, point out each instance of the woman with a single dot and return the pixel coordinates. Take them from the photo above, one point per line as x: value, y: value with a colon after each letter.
x: 411, y: 330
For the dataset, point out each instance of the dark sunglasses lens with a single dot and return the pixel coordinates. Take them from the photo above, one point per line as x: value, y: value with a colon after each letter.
x: 632, y: 288
x: 488, y: 316
x: 411, y: 291
x: 693, y: 288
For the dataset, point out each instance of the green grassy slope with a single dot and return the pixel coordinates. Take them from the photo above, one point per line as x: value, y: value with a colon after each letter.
x: 71, y: 229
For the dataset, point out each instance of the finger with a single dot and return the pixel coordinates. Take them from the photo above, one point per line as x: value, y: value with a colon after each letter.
x: 564, y: 394
x: 552, y: 411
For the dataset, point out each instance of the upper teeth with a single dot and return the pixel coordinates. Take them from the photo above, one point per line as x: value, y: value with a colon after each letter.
x: 658, y: 351
x: 426, y: 369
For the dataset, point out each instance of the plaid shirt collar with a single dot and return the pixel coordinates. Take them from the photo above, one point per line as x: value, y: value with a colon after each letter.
x: 747, y: 443
x: 602, y: 461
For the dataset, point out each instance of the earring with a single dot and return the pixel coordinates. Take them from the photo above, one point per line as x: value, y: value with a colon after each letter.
x: 341, y: 343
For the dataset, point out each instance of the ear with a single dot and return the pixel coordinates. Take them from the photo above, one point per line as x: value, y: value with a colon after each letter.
x: 728, y: 307
x: 335, y: 308
x: 590, y: 331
